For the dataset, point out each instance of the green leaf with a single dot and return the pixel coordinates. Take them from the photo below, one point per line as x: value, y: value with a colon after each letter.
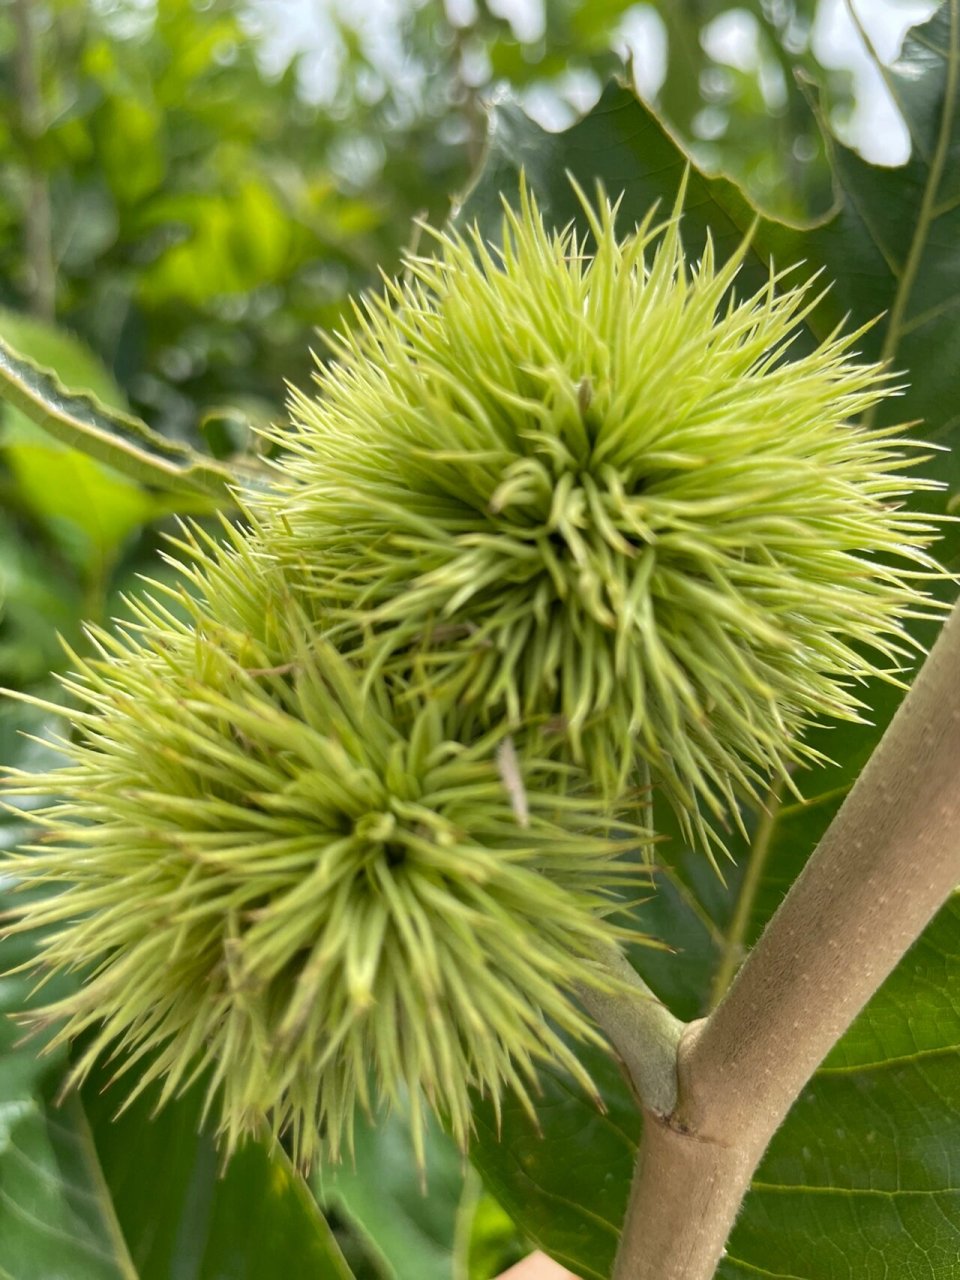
x: 88, y: 508
x: 36, y: 605
x: 187, y: 1218
x: 863, y: 1178
x: 892, y: 244
x: 416, y: 1232
x: 80, y: 421
x: 495, y: 1245
x: 239, y: 239
x: 565, y: 1181
x: 621, y: 144
x: 87, y: 1197
x: 55, y: 1216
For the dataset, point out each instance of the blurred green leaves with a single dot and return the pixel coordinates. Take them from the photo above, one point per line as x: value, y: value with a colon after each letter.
x: 211, y: 204
x: 68, y: 517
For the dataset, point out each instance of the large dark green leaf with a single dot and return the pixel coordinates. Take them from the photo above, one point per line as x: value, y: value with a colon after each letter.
x: 186, y: 1218
x: 56, y: 1217
x: 864, y: 1178
x: 566, y: 1183
x: 416, y: 1230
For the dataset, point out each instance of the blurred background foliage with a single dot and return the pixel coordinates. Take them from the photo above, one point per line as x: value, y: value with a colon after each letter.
x: 189, y: 189
x: 207, y: 180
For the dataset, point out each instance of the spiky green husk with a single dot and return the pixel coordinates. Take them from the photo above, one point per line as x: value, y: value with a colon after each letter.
x: 301, y: 891
x: 589, y: 487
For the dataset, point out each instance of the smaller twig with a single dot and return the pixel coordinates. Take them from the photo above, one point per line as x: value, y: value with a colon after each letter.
x: 641, y: 1028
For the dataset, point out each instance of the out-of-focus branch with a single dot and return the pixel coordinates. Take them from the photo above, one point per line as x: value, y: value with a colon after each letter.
x: 38, y: 223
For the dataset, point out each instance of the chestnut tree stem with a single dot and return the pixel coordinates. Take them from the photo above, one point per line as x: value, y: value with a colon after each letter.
x: 643, y: 1031
x: 888, y: 861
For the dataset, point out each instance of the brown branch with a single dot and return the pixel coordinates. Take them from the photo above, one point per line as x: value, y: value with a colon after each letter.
x: 889, y: 860
x: 684, y: 1198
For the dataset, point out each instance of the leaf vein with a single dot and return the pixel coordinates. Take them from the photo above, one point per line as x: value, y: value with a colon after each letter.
x: 881, y: 1064
x: 777, y: 1188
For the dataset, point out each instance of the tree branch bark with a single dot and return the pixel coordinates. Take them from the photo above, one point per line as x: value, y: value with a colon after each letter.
x: 889, y: 860
x: 685, y: 1195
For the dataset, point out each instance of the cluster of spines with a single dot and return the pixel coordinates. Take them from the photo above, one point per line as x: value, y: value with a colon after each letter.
x: 296, y: 885
x: 595, y: 490
x: 346, y: 819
